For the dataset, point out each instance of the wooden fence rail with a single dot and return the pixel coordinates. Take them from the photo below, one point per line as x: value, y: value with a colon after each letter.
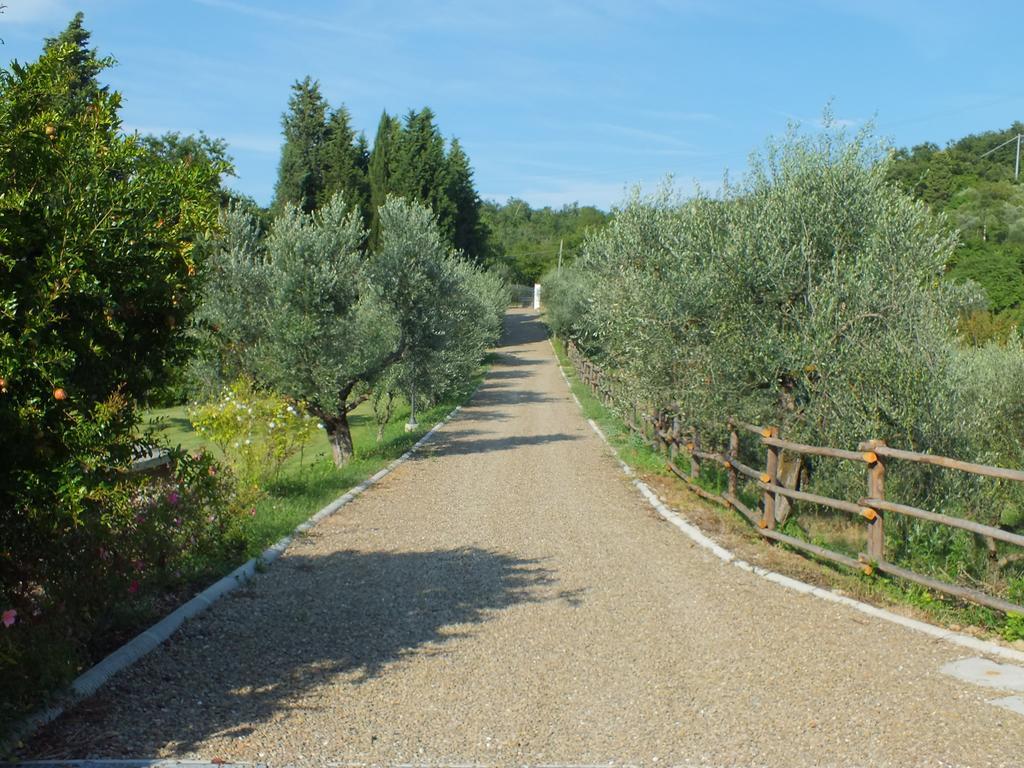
x: 666, y: 433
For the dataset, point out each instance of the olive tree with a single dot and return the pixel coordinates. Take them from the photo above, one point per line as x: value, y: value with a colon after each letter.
x: 310, y: 314
x: 808, y: 297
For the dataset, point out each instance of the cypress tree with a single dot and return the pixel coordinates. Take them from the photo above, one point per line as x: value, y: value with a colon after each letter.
x: 380, y: 172
x: 83, y: 61
x: 468, y: 233
x: 300, y: 175
x: 421, y: 173
x: 344, y: 161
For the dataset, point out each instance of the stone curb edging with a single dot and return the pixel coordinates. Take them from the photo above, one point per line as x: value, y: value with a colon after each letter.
x: 127, y: 763
x: 92, y: 679
x: 699, y: 537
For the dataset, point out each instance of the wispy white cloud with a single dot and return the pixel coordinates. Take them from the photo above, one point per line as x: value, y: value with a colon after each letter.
x: 680, y: 116
x: 33, y: 11
x: 665, y: 140
x: 604, y: 148
x: 292, y: 18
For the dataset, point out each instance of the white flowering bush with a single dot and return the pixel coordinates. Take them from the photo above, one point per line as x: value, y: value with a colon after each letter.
x: 257, y: 431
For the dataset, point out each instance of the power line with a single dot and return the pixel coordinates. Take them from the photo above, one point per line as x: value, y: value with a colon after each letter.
x: 1016, y: 168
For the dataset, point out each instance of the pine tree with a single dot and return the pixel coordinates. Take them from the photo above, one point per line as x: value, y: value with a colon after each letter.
x: 468, y: 235
x: 380, y: 170
x: 83, y: 61
x: 344, y: 161
x: 300, y: 176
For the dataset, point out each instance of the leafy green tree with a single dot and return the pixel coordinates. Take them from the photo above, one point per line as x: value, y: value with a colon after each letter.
x: 807, y: 299
x: 988, y: 211
x: 526, y: 241
x: 998, y: 269
x: 311, y: 316
x: 983, y: 201
x: 300, y: 175
x: 224, y: 333
x: 421, y: 169
x: 73, y: 43
x: 98, y: 275
x: 173, y: 147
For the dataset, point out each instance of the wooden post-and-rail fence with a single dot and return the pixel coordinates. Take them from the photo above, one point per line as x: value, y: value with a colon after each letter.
x: 875, y: 455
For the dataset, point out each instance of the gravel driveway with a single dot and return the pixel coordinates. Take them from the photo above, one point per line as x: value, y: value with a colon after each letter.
x: 507, y: 598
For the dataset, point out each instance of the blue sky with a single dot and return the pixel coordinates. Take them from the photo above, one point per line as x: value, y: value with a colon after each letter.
x: 555, y: 101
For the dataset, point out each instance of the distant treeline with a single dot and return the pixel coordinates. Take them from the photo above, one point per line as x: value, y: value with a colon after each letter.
x: 527, y: 241
x: 983, y: 200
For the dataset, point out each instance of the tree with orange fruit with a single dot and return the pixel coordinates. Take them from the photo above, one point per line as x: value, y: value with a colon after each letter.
x: 97, y: 279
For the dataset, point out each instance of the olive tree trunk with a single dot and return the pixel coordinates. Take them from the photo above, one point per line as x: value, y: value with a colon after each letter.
x: 339, y: 434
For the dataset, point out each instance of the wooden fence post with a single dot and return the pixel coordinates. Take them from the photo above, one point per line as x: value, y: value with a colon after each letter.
x: 694, y: 463
x: 654, y: 439
x: 673, y: 446
x: 876, y: 490
x: 734, y: 454
x: 771, y: 470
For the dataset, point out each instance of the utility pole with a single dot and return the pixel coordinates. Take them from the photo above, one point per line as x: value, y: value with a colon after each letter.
x: 1016, y: 167
x: 562, y: 242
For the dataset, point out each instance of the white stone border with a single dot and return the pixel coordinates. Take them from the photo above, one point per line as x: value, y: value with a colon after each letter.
x: 91, y: 680
x: 723, y: 554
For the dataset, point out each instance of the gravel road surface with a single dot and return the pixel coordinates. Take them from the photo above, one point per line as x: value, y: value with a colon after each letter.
x: 507, y: 598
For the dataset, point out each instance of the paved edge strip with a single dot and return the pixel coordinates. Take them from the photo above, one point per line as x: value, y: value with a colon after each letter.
x: 155, y: 763
x: 699, y: 537
x: 92, y: 679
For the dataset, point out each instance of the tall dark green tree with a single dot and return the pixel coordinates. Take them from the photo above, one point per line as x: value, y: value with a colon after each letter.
x: 83, y: 64
x: 381, y: 169
x: 345, y: 163
x: 469, y: 234
x: 421, y: 171
x: 300, y: 176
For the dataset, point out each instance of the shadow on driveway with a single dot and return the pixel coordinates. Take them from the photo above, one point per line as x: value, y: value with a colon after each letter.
x: 520, y: 328
x: 308, y: 622
x: 464, y: 442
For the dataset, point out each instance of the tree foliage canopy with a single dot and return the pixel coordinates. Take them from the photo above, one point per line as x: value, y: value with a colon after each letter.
x: 525, y: 241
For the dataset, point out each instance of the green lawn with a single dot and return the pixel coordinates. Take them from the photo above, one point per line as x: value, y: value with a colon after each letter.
x: 309, y: 480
